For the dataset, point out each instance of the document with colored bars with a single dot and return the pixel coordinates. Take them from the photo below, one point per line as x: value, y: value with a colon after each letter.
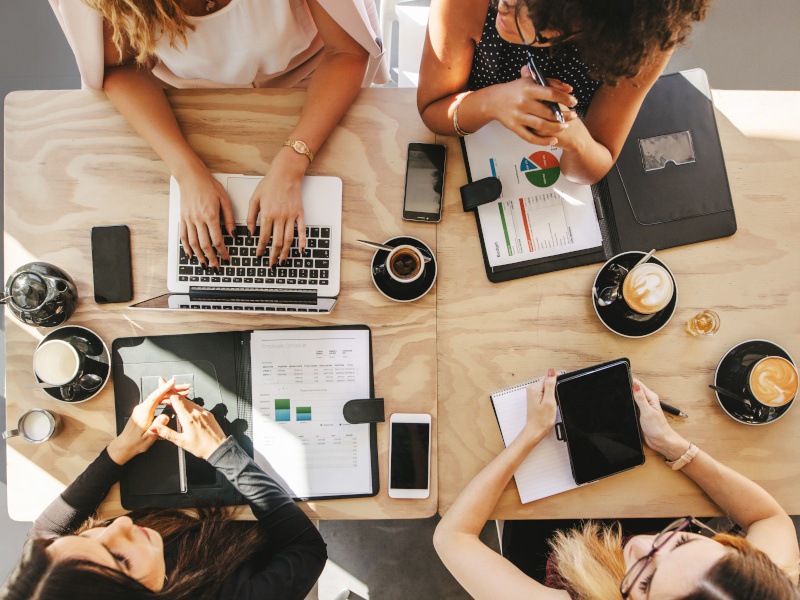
x: 541, y: 213
x: 301, y: 380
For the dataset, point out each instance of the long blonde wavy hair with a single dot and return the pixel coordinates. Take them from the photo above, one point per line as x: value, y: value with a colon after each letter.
x: 591, y: 566
x: 138, y: 24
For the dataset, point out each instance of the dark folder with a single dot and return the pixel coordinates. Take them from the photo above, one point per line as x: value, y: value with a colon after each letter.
x: 220, y: 366
x: 669, y: 186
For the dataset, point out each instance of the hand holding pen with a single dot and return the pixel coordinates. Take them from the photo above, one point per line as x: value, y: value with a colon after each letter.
x: 538, y: 78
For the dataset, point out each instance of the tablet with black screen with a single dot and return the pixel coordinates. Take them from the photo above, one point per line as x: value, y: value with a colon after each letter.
x: 600, y: 421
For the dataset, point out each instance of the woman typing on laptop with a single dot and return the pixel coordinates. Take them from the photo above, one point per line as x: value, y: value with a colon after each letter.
x: 173, y: 554
x: 133, y: 49
x: 592, y: 562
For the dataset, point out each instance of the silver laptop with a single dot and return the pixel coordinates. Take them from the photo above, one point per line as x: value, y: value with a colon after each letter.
x: 309, y: 283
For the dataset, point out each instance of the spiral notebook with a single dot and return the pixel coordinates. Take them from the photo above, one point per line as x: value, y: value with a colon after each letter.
x: 546, y: 471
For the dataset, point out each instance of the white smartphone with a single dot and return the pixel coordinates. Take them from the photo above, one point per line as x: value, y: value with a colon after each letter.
x: 409, y: 455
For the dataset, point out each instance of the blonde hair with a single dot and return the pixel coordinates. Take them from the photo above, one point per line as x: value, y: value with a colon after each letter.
x: 138, y: 24
x: 591, y: 566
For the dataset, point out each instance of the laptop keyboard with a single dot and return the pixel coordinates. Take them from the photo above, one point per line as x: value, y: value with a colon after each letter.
x: 311, y: 268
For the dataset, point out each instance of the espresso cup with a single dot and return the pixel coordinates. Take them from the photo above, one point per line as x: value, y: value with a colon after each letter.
x: 405, y: 264
x: 772, y: 381
x: 648, y: 288
x: 58, y: 363
x: 36, y: 426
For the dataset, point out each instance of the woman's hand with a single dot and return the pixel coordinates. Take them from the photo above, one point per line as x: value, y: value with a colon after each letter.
x: 541, y: 407
x: 200, y: 435
x: 279, y: 202
x: 657, y: 432
x: 138, y: 434
x: 202, y: 197
x: 519, y: 106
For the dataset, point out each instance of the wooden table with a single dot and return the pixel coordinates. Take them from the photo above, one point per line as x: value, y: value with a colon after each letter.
x: 72, y: 162
x: 494, y: 335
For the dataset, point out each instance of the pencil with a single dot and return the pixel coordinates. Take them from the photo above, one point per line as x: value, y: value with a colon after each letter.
x: 672, y: 410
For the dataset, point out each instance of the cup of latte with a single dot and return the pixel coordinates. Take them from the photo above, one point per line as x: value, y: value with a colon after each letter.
x: 772, y: 381
x: 405, y: 264
x: 36, y: 426
x: 648, y: 288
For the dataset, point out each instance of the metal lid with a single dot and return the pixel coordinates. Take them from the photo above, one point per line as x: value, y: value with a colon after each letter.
x: 28, y: 291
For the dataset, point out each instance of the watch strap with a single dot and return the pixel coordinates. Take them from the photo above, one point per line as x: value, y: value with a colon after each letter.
x: 293, y: 144
x: 685, y: 458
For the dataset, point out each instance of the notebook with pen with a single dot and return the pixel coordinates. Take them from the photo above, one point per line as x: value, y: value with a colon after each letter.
x: 300, y: 401
x: 669, y: 187
x: 596, y: 434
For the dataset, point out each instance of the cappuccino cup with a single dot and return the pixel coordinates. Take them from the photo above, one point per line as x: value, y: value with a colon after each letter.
x: 57, y: 362
x: 772, y: 381
x: 405, y: 264
x: 648, y: 288
x: 36, y: 426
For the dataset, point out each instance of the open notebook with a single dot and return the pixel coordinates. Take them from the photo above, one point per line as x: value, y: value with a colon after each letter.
x: 546, y: 470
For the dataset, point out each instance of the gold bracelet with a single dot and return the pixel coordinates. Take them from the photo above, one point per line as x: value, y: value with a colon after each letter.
x: 456, y: 126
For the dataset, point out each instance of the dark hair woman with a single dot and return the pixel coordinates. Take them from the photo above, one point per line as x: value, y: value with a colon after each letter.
x: 594, y: 563
x: 170, y: 554
x: 601, y: 57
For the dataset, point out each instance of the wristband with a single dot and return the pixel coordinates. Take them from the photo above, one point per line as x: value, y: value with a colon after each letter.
x: 456, y: 126
x: 685, y: 459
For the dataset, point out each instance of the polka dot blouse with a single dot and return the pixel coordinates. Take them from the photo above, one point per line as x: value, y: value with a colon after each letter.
x: 498, y: 61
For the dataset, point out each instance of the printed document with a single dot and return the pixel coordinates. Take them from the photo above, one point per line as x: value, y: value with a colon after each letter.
x: 301, y: 381
x: 540, y: 214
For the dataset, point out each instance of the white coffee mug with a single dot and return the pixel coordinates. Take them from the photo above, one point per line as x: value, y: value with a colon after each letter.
x: 57, y: 362
x: 405, y: 263
x: 36, y: 426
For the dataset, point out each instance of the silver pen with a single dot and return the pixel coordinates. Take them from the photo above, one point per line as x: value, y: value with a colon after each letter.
x: 537, y: 77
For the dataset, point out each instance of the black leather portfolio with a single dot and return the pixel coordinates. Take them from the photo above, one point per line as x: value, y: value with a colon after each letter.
x: 669, y: 186
x: 218, y: 366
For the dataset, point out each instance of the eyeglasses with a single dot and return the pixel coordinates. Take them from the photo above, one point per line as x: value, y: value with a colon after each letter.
x: 637, y: 568
x: 538, y: 37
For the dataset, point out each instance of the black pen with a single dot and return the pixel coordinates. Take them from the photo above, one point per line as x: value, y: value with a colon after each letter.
x: 537, y: 77
x: 672, y: 410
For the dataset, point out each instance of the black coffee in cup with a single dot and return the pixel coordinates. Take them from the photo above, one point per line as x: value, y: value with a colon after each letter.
x: 404, y: 264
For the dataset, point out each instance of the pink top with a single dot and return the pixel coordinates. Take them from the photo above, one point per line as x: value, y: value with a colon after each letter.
x: 283, y: 59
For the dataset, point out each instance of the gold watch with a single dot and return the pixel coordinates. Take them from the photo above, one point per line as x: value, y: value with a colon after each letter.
x: 300, y: 147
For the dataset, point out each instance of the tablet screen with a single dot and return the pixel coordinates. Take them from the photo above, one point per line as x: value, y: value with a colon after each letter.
x: 600, y: 421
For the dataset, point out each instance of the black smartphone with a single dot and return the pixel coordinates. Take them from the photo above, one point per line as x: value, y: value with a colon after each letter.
x: 111, y: 264
x: 600, y: 420
x: 422, y: 200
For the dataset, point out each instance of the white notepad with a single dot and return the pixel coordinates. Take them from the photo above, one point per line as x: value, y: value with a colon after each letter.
x: 546, y: 471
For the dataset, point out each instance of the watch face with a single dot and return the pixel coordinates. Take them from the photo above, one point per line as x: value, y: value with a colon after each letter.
x: 299, y: 146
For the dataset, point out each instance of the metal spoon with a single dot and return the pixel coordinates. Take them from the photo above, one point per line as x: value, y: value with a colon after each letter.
x: 758, y: 412
x: 644, y: 259
x: 90, y: 382
x: 425, y: 259
x: 608, y: 295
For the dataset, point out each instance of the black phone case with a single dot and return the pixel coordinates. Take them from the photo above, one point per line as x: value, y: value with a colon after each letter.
x: 418, y: 216
x: 112, y: 272
x: 565, y: 430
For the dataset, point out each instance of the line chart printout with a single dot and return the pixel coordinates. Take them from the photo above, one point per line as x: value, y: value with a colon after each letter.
x: 301, y: 381
x: 541, y: 213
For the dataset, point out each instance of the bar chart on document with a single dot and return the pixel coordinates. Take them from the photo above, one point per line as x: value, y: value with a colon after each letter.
x: 301, y: 380
x: 541, y: 213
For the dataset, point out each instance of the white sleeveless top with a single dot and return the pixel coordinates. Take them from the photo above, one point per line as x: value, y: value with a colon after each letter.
x: 262, y: 43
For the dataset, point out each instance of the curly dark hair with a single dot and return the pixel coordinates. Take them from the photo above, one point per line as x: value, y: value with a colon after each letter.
x: 618, y: 38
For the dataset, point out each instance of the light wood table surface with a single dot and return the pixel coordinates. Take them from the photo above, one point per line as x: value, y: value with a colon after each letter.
x: 494, y: 335
x: 72, y: 162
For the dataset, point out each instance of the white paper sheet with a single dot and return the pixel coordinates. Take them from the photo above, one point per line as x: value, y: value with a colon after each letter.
x: 301, y: 381
x: 541, y: 213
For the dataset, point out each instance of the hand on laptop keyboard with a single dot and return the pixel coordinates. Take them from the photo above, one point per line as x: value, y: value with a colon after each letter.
x: 202, y: 198
x: 277, y: 206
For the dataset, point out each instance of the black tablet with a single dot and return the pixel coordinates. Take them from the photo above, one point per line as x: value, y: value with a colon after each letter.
x: 599, y: 420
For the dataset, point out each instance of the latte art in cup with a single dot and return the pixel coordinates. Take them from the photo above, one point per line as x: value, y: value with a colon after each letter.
x: 648, y: 288
x: 773, y: 381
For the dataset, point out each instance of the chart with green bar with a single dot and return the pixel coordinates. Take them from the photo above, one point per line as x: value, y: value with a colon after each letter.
x: 303, y: 413
x: 283, y: 409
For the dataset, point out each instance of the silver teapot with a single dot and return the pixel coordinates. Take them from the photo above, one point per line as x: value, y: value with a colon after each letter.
x: 41, y: 294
